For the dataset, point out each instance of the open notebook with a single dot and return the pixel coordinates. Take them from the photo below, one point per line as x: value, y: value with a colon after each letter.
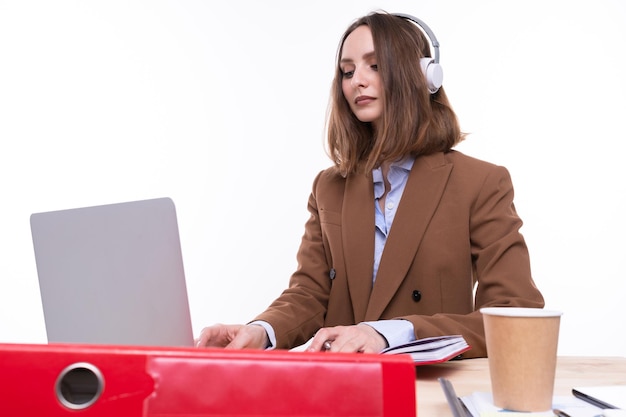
x: 113, y: 274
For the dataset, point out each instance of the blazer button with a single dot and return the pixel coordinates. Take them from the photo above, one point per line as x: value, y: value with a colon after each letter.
x: 332, y: 273
x: 417, y: 296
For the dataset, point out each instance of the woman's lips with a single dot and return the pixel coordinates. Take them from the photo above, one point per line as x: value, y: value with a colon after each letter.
x: 363, y: 100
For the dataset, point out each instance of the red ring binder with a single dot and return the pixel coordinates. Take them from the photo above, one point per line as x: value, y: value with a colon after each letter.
x: 93, y: 380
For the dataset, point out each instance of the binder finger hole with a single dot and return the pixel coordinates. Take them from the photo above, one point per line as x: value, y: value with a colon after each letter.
x: 79, y: 385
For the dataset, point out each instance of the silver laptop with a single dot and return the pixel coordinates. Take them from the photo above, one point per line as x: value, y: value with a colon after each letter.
x: 113, y: 274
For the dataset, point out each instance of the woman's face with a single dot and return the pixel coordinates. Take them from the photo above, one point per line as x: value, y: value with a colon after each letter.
x: 361, y: 84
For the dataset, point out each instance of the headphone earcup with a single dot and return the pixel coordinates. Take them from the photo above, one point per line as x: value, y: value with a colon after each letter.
x: 433, y: 73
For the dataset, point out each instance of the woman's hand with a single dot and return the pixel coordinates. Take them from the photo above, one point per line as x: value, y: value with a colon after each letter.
x: 351, y: 339
x: 233, y: 336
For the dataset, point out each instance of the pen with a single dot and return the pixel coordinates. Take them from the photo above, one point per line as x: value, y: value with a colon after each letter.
x: 559, y: 413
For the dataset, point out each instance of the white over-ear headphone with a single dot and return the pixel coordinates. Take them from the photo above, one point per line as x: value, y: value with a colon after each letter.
x: 430, y: 65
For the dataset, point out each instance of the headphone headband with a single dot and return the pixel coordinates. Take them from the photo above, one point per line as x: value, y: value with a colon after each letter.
x: 431, y: 35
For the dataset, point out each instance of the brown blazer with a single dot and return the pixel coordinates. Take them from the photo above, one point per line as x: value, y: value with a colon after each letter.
x: 456, y: 226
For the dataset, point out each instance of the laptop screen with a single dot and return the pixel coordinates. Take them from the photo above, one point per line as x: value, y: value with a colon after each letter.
x: 113, y: 274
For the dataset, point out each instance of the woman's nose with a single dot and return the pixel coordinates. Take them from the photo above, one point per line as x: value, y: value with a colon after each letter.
x: 359, y: 79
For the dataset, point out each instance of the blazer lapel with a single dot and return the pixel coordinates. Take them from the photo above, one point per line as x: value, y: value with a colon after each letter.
x: 419, y: 202
x: 358, y: 240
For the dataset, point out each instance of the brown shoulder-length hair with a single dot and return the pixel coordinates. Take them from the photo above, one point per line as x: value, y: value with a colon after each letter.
x: 414, y: 122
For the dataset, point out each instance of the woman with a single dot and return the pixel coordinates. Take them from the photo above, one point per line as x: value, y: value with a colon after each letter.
x: 454, y: 247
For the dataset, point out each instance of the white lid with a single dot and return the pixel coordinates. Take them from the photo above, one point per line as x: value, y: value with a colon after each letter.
x: 520, y: 312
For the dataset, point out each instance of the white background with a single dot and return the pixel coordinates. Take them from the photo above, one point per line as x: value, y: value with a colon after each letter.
x: 221, y: 106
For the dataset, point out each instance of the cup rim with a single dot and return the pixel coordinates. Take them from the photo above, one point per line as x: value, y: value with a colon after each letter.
x: 520, y: 312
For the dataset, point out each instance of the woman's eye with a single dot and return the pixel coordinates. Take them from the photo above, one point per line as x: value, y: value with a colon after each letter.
x: 374, y: 67
x: 348, y: 74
